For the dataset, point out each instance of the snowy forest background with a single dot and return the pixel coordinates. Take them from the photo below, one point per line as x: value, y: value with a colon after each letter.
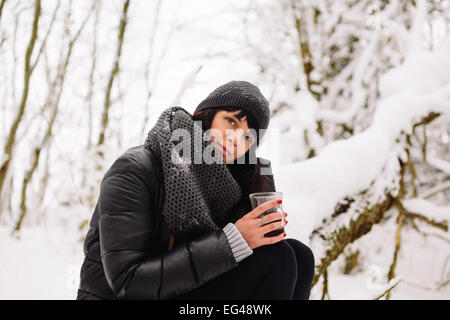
x: 359, y: 92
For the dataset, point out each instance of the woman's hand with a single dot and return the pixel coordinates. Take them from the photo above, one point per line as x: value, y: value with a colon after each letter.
x: 252, y: 231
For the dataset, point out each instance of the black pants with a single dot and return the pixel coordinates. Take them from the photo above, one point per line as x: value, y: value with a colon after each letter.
x: 283, y: 270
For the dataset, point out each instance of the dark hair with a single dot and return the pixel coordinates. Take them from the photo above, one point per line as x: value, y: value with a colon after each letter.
x: 246, y: 174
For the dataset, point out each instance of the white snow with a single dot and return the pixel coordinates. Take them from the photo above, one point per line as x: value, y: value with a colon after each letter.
x: 428, y: 209
x: 439, y: 163
x: 313, y: 187
x: 344, y: 167
x: 198, y: 47
x: 39, y: 265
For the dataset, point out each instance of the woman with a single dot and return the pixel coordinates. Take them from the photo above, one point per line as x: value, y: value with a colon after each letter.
x: 169, y: 227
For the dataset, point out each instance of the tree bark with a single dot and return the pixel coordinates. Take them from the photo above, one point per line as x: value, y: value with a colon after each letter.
x: 346, y: 235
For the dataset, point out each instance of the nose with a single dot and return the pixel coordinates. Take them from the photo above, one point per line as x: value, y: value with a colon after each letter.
x: 238, y: 135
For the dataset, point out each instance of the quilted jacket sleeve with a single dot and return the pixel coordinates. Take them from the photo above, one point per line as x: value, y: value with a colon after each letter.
x: 126, y: 232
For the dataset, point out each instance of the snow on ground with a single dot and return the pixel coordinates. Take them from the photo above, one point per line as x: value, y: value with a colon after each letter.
x: 422, y: 266
x: 350, y: 287
x: 39, y: 265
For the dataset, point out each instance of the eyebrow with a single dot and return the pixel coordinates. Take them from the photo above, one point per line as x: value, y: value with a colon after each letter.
x: 233, y: 115
x: 251, y: 134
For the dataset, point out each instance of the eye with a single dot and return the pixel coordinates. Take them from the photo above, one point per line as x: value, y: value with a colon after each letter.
x: 249, y: 139
x: 231, y: 121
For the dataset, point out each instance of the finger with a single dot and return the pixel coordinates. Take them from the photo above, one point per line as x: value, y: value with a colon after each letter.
x: 274, y: 216
x: 270, y: 227
x: 255, y: 213
x: 272, y: 240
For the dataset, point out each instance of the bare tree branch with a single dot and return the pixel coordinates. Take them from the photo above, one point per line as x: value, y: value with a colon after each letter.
x: 148, y: 65
x: 304, y: 48
x: 2, y: 4
x: 8, y: 149
x: 46, y: 35
x: 113, y: 74
x: 90, y: 92
x: 388, y: 291
x: 435, y: 190
x: 54, y: 96
x: 391, y: 273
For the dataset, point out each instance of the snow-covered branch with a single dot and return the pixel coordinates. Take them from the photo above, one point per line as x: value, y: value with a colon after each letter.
x: 439, y: 163
x: 432, y: 213
x: 435, y: 190
x: 352, y: 182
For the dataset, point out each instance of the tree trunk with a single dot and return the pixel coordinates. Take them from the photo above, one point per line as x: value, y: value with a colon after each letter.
x: 113, y: 74
x: 10, y: 142
x: 56, y: 89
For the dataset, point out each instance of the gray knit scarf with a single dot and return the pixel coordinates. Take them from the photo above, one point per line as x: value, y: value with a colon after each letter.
x: 198, y: 196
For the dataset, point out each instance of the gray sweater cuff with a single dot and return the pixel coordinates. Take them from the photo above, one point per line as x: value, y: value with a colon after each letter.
x: 238, y: 245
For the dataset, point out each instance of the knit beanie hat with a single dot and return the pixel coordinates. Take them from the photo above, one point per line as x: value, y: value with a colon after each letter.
x: 240, y: 94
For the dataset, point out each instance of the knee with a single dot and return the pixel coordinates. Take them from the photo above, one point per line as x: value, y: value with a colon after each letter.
x: 286, y: 253
x: 278, y: 271
x: 309, y: 256
x: 304, y: 254
x: 283, y: 257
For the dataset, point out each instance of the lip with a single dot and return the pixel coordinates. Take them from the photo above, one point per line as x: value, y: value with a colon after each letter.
x: 224, y: 150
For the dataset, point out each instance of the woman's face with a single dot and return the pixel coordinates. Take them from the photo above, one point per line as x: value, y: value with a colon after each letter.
x: 231, y: 135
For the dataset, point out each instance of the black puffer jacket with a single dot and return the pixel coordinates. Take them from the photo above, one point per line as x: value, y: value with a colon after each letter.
x: 126, y: 247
